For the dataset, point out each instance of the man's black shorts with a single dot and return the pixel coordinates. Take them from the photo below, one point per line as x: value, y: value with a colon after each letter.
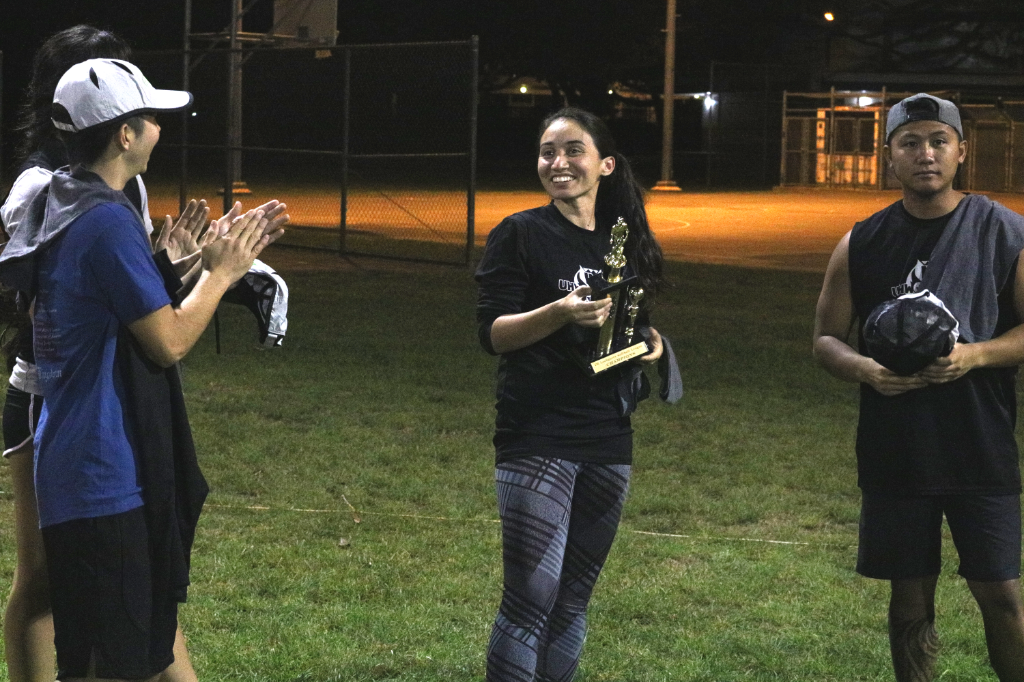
x: 103, y: 601
x: 901, y: 537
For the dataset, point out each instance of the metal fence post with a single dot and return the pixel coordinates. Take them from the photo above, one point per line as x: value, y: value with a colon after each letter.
x: 764, y: 132
x: 1, y: 118
x: 471, y: 185
x: 229, y: 196
x: 880, y: 143
x: 1008, y: 153
x: 712, y: 121
x: 345, y: 149
x: 1014, y: 140
x: 185, y: 66
x: 830, y: 142
x: 785, y: 141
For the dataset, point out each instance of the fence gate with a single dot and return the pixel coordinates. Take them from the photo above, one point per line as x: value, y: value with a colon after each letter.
x: 801, y: 152
x: 831, y: 139
x: 846, y: 144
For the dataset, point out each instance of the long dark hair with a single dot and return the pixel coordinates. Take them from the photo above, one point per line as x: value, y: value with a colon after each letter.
x: 59, y: 53
x: 619, y: 194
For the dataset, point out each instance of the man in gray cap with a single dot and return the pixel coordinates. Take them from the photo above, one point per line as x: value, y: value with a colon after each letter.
x: 939, y: 442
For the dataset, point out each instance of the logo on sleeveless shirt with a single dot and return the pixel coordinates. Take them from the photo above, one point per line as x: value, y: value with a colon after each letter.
x: 913, y: 283
x: 580, y: 279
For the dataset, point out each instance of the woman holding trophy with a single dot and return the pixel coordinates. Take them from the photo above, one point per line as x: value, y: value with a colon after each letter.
x: 564, y: 293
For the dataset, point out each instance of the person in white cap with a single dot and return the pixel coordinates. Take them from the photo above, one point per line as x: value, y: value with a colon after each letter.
x: 27, y: 621
x: 118, y: 487
x: 939, y: 442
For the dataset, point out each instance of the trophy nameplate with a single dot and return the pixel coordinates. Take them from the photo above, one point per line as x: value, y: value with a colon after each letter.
x: 615, y: 342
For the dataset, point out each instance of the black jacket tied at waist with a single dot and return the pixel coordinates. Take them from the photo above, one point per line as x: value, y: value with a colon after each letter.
x: 173, y: 487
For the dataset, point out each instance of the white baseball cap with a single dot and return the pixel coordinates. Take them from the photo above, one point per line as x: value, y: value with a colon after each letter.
x: 100, y: 91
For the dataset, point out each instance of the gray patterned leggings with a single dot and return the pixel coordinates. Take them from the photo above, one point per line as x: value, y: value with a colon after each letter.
x: 558, y: 520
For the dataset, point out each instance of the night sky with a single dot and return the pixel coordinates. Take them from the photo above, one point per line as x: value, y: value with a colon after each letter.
x: 612, y: 39
x: 616, y: 39
x: 581, y: 46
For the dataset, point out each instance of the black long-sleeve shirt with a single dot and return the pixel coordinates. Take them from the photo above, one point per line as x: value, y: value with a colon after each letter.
x: 547, y: 402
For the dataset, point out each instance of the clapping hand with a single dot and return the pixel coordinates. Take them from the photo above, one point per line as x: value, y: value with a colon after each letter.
x: 181, y: 238
x: 274, y: 217
x: 231, y: 254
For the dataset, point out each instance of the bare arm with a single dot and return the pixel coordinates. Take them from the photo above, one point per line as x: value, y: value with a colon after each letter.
x: 1006, y: 350
x: 833, y: 321
x: 512, y: 332
x: 183, y: 266
x: 191, y: 276
x: 168, y: 333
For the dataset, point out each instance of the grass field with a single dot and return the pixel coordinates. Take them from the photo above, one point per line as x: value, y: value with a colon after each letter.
x: 351, y: 533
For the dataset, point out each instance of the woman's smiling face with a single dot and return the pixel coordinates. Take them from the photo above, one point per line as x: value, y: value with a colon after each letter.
x: 569, y: 164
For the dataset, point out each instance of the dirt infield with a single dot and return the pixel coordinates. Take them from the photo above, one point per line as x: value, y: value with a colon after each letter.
x: 785, y: 230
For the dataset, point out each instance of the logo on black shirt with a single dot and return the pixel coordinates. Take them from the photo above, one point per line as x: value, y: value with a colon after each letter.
x: 913, y: 283
x: 580, y: 279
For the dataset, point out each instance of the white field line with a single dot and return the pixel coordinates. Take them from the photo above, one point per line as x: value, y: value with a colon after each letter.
x: 356, y: 518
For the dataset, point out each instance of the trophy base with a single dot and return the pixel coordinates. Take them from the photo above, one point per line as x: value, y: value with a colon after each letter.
x: 618, y: 357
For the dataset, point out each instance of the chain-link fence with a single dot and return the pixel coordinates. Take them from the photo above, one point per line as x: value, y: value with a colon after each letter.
x: 742, y: 114
x: 372, y: 147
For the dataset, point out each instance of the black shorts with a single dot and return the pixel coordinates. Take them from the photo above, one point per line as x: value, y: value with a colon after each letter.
x: 103, y: 601
x: 21, y: 415
x: 901, y: 537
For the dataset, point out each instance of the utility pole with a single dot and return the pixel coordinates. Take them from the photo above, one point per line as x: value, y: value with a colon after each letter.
x: 668, y: 104
x: 236, y: 186
x: 186, y: 67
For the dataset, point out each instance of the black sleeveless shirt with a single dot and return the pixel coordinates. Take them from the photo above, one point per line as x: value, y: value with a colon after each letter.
x: 943, y: 439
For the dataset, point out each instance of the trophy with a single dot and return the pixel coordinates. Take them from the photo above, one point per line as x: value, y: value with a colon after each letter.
x: 615, y: 343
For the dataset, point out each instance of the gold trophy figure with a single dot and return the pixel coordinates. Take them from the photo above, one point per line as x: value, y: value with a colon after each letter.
x: 615, y: 260
x: 635, y: 294
x: 615, y: 341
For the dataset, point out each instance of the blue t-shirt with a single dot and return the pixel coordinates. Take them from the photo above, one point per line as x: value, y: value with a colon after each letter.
x: 98, y: 275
